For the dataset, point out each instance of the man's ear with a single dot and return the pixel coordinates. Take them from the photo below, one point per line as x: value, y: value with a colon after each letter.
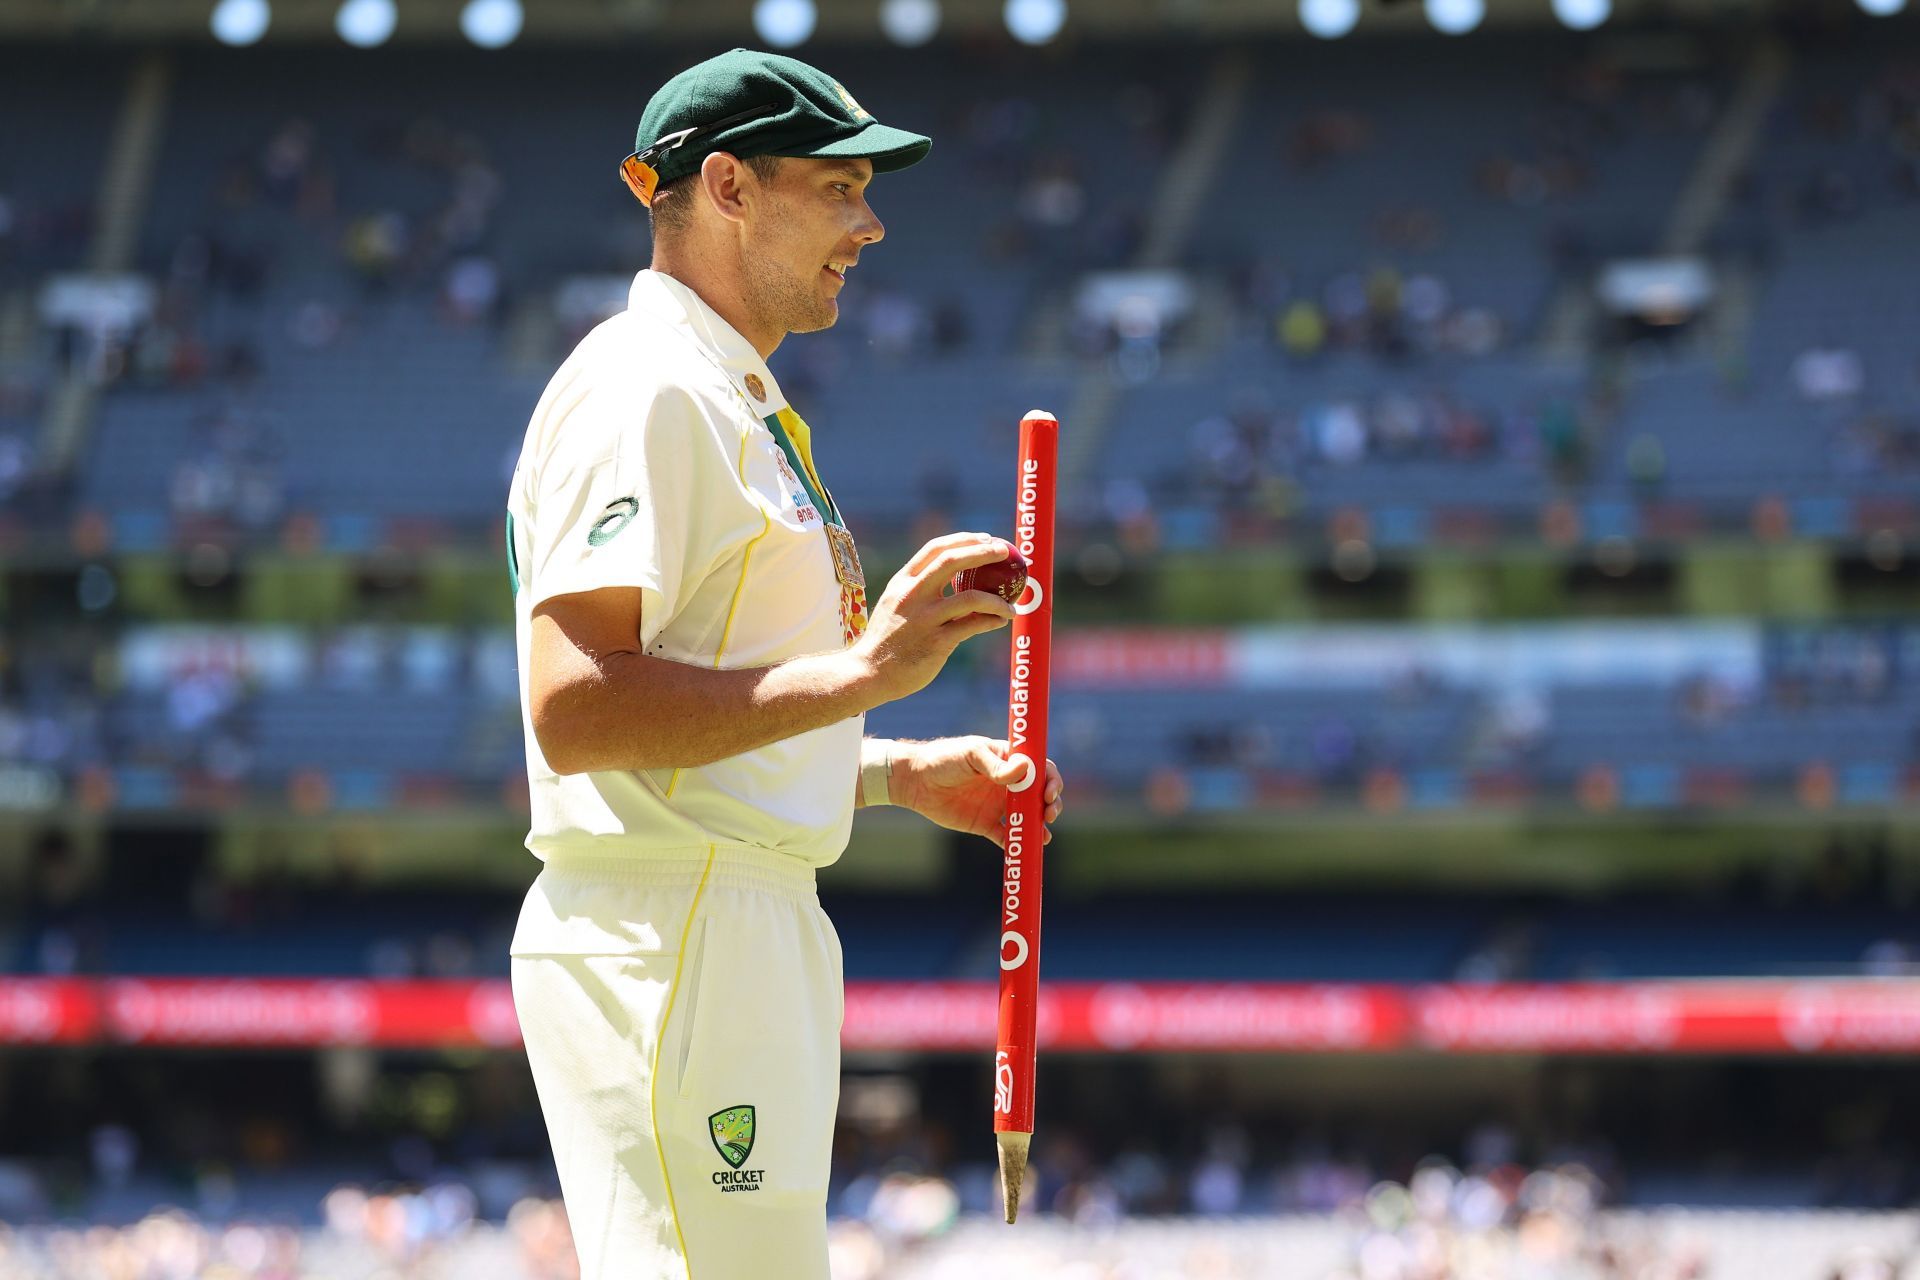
x: 724, y: 182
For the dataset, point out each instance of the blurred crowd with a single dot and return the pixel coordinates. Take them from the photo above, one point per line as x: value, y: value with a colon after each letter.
x: 1859, y: 147
x: 189, y: 699
x: 197, y: 702
x: 1258, y: 457
x: 1510, y: 1223
x: 1379, y: 310
x: 277, y: 216
x: 427, y: 1233
x: 306, y: 234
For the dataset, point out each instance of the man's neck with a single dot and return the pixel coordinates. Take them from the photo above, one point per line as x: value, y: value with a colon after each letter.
x: 723, y: 294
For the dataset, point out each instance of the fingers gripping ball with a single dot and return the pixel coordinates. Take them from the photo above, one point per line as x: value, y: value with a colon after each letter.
x: 1006, y: 578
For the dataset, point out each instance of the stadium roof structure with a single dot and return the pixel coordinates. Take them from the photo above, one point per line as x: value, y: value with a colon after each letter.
x: 561, y: 22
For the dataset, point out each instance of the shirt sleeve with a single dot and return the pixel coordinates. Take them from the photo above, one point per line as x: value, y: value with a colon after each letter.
x: 617, y: 503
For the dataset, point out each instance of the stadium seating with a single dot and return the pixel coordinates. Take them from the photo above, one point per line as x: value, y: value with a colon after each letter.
x: 378, y: 710
x: 406, y: 415
x: 317, y: 369
x: 49, y: 176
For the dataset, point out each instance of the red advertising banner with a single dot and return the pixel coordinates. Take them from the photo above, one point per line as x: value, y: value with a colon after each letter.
x: 291, y: 1011
x: 1106, y: 658
x: 49, y: 1011
x: 1848, y: 1016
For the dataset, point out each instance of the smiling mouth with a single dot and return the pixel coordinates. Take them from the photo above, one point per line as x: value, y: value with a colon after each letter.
x: 838, y: 270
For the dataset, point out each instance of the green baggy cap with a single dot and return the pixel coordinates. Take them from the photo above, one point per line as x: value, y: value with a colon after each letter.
x: 758, y: 104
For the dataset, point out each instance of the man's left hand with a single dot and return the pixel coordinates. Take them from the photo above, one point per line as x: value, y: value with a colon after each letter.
x: 961, y: 783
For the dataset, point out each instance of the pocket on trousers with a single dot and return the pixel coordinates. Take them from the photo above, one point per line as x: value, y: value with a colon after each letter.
x: 687, y: 1010
x: 839, y: 974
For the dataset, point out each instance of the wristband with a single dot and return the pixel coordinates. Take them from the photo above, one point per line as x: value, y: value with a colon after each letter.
x: 876, y: 770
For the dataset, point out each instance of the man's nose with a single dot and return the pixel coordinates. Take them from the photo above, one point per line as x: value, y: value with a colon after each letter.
x: 871, y: 231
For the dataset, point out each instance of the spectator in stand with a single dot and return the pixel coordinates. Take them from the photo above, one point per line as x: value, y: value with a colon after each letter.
x: 1828, y: 372
x: 1302, y: 329
x: 1398, y: 428
x: 286, y: 162
x: 1054, y: 199
x: 1324, y: 138
x: 233, y: 474
x: 16, y: 462
x: 1339, y: 433
x: 1647, y: 465
x: 1565, y: 440
x: 375, y: 246
x: 1218, y: 1186
x: 471, y: 290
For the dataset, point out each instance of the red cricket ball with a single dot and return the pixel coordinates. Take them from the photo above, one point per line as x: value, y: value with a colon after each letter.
x: 1005, y: 578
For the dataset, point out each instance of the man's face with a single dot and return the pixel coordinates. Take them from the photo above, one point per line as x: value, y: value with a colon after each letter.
x: 808, y: 231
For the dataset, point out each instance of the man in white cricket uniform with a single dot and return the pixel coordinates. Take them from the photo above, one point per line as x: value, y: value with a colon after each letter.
x: 697, y: 654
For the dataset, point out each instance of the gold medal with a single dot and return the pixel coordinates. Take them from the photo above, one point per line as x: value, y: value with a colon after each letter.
x: 846, y: 560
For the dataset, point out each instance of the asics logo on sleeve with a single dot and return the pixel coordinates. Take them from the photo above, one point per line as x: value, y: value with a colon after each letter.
x: 620, y: 513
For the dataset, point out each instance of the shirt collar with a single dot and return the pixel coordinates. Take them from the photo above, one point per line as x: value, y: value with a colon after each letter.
x: 667, y: 299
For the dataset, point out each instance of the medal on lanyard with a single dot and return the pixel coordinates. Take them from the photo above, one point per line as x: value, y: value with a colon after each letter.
x: 846, y: 560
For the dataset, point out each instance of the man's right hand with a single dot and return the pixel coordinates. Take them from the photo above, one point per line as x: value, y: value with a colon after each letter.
x: 913, y: 629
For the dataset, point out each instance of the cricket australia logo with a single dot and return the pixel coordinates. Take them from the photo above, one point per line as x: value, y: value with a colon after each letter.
x: 732, y: 1134
x: 859, y: 112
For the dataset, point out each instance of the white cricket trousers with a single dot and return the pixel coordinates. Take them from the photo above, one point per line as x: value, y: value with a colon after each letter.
x: 682, y: 1018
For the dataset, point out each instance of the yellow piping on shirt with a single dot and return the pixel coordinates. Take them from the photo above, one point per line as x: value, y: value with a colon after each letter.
x: 653, y: 1077
x: 739, y: 588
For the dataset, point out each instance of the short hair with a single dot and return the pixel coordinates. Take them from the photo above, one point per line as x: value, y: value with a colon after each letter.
x: 672, y: 207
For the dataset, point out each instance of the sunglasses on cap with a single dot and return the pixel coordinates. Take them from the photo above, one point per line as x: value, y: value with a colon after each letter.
x: 639, y: 170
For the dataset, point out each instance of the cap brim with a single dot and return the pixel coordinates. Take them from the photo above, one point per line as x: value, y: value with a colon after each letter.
x: 889, y: 148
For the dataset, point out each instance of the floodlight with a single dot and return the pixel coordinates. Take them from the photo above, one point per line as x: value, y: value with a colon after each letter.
x: 1582, y: 15
x: 1035, y: 21
x: 910, y: 22
x: 239, y: 22
x: 784, y: 23
x: 492, y: 24
x: 1455, y: 17
x: 1329, y: 19
x: 365, y: 23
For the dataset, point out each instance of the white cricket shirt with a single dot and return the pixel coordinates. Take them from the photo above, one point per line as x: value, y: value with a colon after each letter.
x: 649, y: 463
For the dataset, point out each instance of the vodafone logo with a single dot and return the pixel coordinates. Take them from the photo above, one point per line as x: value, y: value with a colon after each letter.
x: 1026, y: 508
x: 1025, y: 761
x: 1550, y: 1018
x: 1653, y: 1019
x: 1019, y: 945
x: 30, y: 1014
x: 918, y: 1015
x: 1030, y: 598
x: 1124, y: 1016
x: 1815, y: 1016
x: 1808, y: 1017
x: 241, y: 1012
